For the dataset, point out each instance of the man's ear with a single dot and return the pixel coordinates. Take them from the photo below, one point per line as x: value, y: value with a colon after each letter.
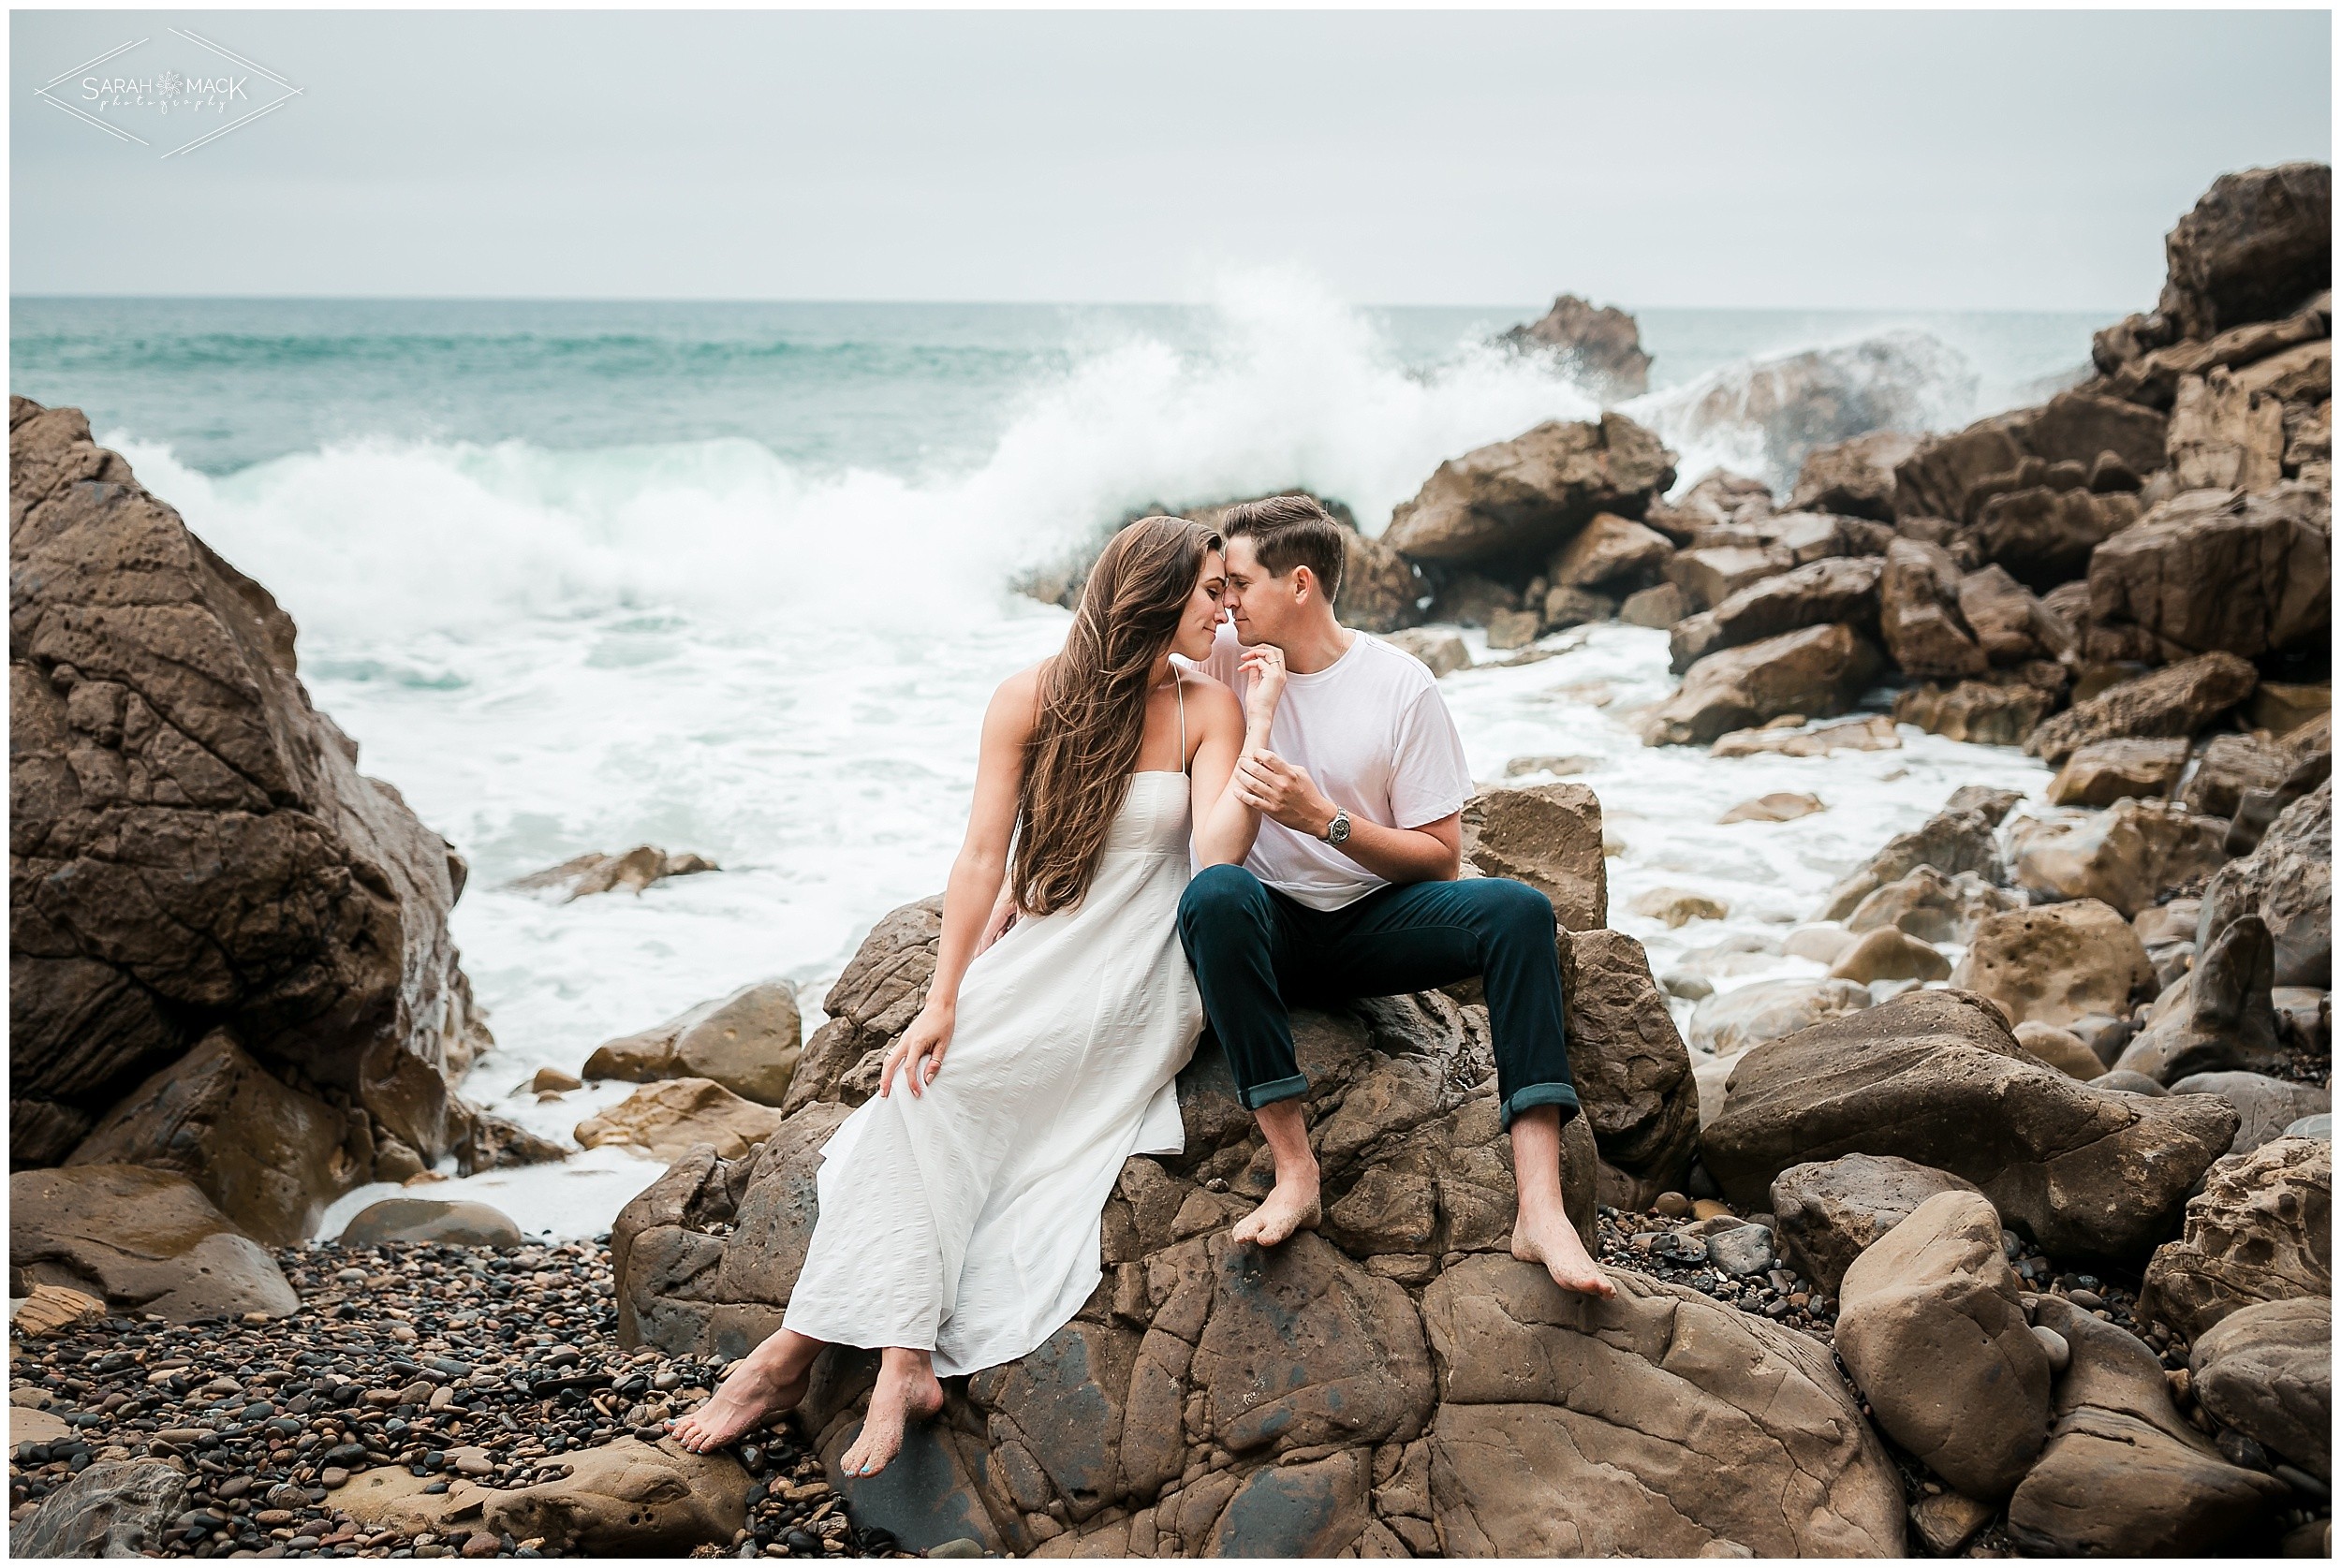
x: 1305, y: 584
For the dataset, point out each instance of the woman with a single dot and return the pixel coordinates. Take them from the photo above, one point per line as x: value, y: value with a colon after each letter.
x: 960, y: 1219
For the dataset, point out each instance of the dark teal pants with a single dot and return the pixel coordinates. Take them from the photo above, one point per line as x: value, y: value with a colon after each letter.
x: 1257, y: 951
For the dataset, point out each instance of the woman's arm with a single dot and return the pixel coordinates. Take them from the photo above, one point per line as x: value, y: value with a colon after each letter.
x: 1225, y: 824
x: 976, y: 879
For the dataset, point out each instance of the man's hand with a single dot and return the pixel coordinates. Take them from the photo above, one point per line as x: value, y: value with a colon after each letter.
x: 1282, y: 793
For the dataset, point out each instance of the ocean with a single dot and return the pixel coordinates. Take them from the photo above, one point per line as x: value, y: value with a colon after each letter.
x: 736, y: 578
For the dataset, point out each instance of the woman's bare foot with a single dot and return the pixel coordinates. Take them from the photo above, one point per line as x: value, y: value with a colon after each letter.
x: 1552, y: 1241
x: 907, y: 1391
x: 753, y: 1393
x: 1291, y: 1204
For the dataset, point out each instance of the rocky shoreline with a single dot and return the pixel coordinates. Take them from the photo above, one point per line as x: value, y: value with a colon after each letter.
x: 2002, y: 1229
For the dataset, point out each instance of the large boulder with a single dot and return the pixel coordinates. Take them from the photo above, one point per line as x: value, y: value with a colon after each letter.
x: 1936, y: 1076
x: 1919, y: 617
x: 2123, y: 1474
x: 2288, y: 882
x: 141, y: 1242
x: 1957, y: 839
x: 1839, y: 588
x: 1856, y: 477
x: 1932, y: 907
x: 2256, y: 245
x: 2217, y: 1016
x: 2266, y: 1371
x: 871, y: 1003
x: 2261, y: 1230
x: 622, y: 1498
x: 1548, y: 836
x: 2229, y: 767
x: 1632, y: 1072
x: 2044, y: 535
x: 2174, y: 702
x: 663, y: 1120
x: 1830, y: 1210
x: 269, y: 1156
x: 2128, y: 856
x: 1818, y: 672
x: 430, y: 1222
x: 2104, y: 772
x: 1509, y: 505
x: 1932, y: 1325
x: 2221, y: 570
x: 1612, y: 555
x: 2057, y: 963
x: 1994, y: 711
x: 1600, y: 347
x: 749, y: 1042
x: 1660, y: 1422
x: 2267, y: 1105
x: 193, y: 844
x: 2224, y: 434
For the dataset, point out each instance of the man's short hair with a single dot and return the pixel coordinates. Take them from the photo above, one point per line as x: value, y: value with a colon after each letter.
x: 1289, y: 531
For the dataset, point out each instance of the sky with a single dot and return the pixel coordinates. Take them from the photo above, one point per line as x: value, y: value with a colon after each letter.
x: 1983, y: 160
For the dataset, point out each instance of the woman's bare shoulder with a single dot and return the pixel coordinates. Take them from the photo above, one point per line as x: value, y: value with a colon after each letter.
x: 1212, y: 700
x: 1016, y: 701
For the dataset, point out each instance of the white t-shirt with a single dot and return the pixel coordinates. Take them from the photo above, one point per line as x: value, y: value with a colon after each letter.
x: 1372, y: 729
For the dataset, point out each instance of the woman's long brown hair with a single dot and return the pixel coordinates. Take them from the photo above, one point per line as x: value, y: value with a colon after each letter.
x: 1092, y: 713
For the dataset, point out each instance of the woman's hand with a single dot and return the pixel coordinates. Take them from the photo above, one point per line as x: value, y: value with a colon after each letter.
x: 1003, y: 916
x: 1265, y: 664
x: 919, y: 1054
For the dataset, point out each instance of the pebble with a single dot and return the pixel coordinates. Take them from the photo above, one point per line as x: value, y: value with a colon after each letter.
x: 483, y: 1364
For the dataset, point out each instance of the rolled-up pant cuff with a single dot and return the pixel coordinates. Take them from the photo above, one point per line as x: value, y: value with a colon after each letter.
x: 1278, y: 1089
x: 1559, y: 1094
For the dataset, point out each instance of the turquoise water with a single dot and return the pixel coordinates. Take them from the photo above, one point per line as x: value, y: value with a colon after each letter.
x: 734, y: 578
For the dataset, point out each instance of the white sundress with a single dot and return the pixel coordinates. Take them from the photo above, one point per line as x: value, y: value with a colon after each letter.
x: 967, y: 1220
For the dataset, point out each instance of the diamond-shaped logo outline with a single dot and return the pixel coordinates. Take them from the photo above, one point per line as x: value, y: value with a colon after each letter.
x: 290, y: 93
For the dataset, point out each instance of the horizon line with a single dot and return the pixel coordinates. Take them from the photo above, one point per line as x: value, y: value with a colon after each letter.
x: 1109, y: 304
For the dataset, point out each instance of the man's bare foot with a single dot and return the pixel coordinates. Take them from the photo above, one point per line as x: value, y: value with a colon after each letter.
x: 903, y: 1394
x: 1555, y: 1243
x: 1291, y: 1204
x: 750, y: 1395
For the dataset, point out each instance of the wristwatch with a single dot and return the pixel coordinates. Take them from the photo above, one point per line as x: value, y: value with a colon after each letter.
x: 1337, y: 830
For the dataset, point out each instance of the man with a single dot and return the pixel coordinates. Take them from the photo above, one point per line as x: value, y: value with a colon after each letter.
x: 1350, y: 886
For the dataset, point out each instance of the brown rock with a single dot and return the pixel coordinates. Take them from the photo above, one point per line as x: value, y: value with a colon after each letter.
x: 622, y: 1499
x: 1982, y: 712
x: 54, y: 1310
x: 1573, y: 1427
x: 749, y: 1042
x: 1956, y: 838
x: 2224, y: 436
x: 1442, y: 651
x: 275, y: 891
x: 2122, y: 1474
x: 2127, y: 856
x: 1517, y: 499
x: 1819, y: 672
x: 1919, y: 617
x: 1838, y: 587
x: 664, y: 1118
x: 2218, y: 1015
x: 1932, y: 907
x: 2104, y: 772
x: 2266, y: 1371
x: 2230, y: 767
x: 432, y: 1221
x: 1381, y: 591
x: 113, y: 1508
x: 1601, y: 347
x: 2170, y: 703
x: 1931, y: 1326
x: 1657, y: 607
x: 1934, y: 481
x: 2215, y: 570
x: 2057, y: 963
x: 1888, y: 953
x: 1711, y: 574
x: 1731, y: 1022
x: 2258, y: 243
x: 1609, y: 553
x: 1855, y: 478
x: 2060, y: 1048
x: 594, y: 872
x: 1631, y: 1070
x: 1779, y: 806
x: 2261, y: 1230
x: 143, y: 1241
x: 1678, y: 906
x: 1513, y: 628
x: 2043, y: 535
x: 269, y: 1156
x: 1874, y: 733
x: 1934, y: 1076
x: 871, y: 1002
x: 1830, y: 1210
x: 2280, y: 707
x: 2288, y: 882
x: 1548, y: 836
x: 2267, y: 1105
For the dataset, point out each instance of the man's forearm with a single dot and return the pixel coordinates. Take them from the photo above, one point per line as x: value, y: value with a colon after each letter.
x: 1399, y: 854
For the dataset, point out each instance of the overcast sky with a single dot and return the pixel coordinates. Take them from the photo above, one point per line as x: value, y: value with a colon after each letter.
x: 1984, y: 160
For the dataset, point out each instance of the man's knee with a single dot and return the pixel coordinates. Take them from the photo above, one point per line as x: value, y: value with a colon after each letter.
x: 1220, y: 898
x: 1507, y: 909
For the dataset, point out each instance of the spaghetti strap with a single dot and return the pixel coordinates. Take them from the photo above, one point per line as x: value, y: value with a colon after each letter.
x: 1179, y: 682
